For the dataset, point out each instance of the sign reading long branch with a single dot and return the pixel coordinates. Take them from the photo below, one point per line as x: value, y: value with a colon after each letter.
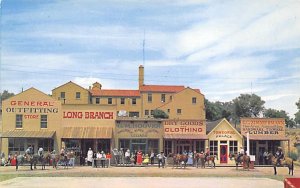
x: 184, y: 127
x: 263, y: 127
x: 88, y: 114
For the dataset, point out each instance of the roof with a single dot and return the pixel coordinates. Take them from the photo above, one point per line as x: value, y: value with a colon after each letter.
x: 161, y: 88
x: 70, y: 82
x: 210, y: 125
x: 186, y: 136
x: 87, y: 132
x: 28, y: 134
x: 115, y: 93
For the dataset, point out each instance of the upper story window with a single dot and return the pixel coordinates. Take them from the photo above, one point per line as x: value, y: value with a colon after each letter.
x: 122, y: 100
x: 134, y: 101
x: 77, y: 95
x: 97, y: 100
x: 19, y: 120
x: 44, y: 121
x: 62, y: 95
x: 109, y: 101
x: 163, y: 97
x: 168, y: 110
x: 194, y: 100
x: 146, y: 112
x: 178, y: 111
x: 149, y: 97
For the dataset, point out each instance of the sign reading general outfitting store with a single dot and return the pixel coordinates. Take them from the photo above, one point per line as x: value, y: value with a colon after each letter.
x: 268, y: 127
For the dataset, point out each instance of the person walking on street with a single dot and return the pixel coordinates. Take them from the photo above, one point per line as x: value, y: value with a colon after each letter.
x: 161, y: 159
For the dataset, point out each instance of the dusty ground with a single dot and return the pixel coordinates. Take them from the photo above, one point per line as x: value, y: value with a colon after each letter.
x: 150, y: 171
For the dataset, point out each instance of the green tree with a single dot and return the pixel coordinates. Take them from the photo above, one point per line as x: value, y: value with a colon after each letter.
x: 217, y: 110
x: 298, y: 104
x: 160, y: 114
x: 273, y: 113
x: 5, y: 95
x: 297, y: 115
x: 247, y: 105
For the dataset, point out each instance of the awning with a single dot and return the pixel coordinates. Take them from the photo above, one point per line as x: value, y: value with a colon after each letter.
x: 268, y: 138
x: 87, y: 132
x: 28, y: 134
x: 186, y: 136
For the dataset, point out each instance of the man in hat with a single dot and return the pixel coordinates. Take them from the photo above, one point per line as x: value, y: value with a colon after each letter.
x: 161, y: 159
x: 103, y: 159
x: 206, y: 154
x: 241, y: 153
x: 279, y: 155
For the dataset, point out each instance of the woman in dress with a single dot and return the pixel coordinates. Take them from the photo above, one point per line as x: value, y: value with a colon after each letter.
x: 139, y: 157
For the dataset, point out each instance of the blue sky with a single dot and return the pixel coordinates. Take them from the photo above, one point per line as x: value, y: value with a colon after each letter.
x: 224, y: 48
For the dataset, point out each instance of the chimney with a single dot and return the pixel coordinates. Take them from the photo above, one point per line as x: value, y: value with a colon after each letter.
x: 97, y: 85
x: 141, y: 76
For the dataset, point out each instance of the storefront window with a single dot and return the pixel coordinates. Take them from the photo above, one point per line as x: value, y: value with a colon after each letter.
x: 233, y: 147
x: 145, y: 145
x: 213, y: 147
x: 200, y: 146
x: 153, y: 146
x: 103, y: 145
x: 168, y: 147
x: 16, y: 145
x: 125, y: 144
x: 46, y: 144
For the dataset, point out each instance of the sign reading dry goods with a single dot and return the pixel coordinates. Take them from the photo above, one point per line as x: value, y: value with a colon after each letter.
x: 263, y: 127
x: 138, y: 129
x: 184, y: 127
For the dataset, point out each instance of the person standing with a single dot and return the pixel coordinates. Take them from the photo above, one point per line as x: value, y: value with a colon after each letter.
x: 152, y: 157
x: 103, y: 159
x: 161, y: 159
x: 41, y: 152
x: 90, y: 157
x: 139, y: 157
x: 241, y: 154
x: 279, y: 155
x: 127, y: 156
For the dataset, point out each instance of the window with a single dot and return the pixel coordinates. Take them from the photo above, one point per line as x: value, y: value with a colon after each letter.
x: 168, y: 110
x: 122, y: 100
x: 125, y: 144
x: 97, y: 100
x: 153, y: 145
x: 151, y: 112
x: 109, y: 101
x: 233, y: 147
x: 134, y: 114
x: 16, y: 145
x: 77, y: 95
x: 213, y: 148
x: 44, y: 121
x: 163, y: 97
x: 171, y: 97
x: 46, y: 144
x: 178, y: 111
x: 134, y: 101
x: 200, y: 146
x: 62, y: 95
x: 168, y: 147
x: 194, y: 100
x: 19, y: 120
x: 149, y: 97
x: 146, y: 112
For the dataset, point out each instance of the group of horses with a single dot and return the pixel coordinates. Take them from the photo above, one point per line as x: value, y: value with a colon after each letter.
x: 180, y: 160
x: 33, y: 160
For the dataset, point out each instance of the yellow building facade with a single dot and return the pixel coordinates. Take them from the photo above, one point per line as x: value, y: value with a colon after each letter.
x: 31, y: 118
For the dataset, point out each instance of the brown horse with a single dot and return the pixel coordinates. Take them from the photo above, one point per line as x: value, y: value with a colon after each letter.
x: 200, y: 158
x: 245, y: 159
x: 179, y: 159
x: 286, y: 162
x: 63, y: 160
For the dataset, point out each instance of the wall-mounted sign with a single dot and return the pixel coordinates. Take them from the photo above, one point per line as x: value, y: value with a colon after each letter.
x: 138, y: 129
x: 224, y: 134
x: 32, y: 107
x: 88, y: 115
x: 263, y: 126
x: 184, y: 127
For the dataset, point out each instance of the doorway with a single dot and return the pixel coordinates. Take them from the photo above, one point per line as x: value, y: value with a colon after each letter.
x: 223, y: 154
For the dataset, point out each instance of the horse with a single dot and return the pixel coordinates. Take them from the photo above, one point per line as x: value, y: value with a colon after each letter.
x: 239, y: 160
x: 200, y: 158
x: 286, y: 162
x: 179, y: 159
x: 32, y: 160
x: 61, y: 159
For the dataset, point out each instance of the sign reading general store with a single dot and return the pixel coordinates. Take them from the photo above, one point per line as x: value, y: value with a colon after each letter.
x: 184, y: 127
x: 263, y: 127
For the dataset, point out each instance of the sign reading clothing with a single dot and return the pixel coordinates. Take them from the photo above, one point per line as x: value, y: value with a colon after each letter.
x: 263, y: 127
x: 184, y: 127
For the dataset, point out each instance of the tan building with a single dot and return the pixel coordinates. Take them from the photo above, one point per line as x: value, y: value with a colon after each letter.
x: 88, y: 126
x: 223, y: 139
x: 31, y: 118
